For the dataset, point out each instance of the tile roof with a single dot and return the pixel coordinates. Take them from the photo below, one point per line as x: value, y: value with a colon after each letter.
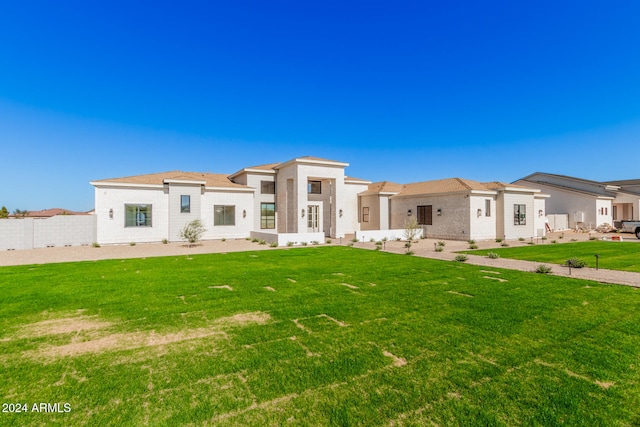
x: 210, y: 179
x: 440, y: 186
x: 47, y: 213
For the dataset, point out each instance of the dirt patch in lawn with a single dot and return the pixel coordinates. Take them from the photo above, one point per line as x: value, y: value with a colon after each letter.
x: 65, y: 325
x: 132, y: 340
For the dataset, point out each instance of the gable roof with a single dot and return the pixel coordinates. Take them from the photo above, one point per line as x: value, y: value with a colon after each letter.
x: 384, y: 187
x: 441, y: 186
x: 208, y: 179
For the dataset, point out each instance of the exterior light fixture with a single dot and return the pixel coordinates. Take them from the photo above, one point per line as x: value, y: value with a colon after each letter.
x: 244, y: 213
x: 439, y: 212
x: 479, y: 213
x: 340, y: 213
x: 110, y: 213
x: 540, y: 213
x: 302, y: 213
x: 409, y: 212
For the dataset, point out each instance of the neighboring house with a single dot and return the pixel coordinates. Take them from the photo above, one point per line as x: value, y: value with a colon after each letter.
x: 455, y: 208
x: 308, y: 199
x: 48, y: 213
x: 587, y: 203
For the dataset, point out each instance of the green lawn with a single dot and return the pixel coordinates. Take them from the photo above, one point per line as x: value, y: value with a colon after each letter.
x: 612, y: 255
x: 315, y: 336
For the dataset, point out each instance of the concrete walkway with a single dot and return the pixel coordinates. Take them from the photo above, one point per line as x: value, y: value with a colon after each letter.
x: 426, y: 248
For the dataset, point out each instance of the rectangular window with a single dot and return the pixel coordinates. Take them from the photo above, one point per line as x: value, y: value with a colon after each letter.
x: 487, y: 207
x: 365, y: 214
x: 137, y: 215
x: 425, y: 215
x: 224, y: 215
x: 314, y: 187
x: 267, y: 215
x: 267, y: 187
x: 519, y: 215
x: 185, y: 203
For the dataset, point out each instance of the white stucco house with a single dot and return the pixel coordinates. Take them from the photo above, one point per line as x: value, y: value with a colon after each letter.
x: 588, y: 203
x: 308, y: 199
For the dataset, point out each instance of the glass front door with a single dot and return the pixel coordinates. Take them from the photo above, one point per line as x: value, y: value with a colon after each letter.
x: 313, y: 218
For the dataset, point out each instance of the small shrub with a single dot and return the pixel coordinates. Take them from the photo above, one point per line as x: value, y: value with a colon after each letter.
x: 504, y: 244
x: 378, y: 248
x: 304, y: 243
x: 379, y: 243
x: 273, y: 244
x: 531, y: 243
x: 493, y: 255
x: 384, y: 239
x: 543, y: 269
x: 262, y: 242
x: 439, y: 249
x: 471, y: 242
x: 328, y: 241
x: 132, y: 243
x: 441, y: 244
x: 354, y: 240
x: 165, y: 241
x: 473, y: 246
x: 521, y: 239
x: 254, y: 240
x: 461, y: 258
x: 574, y: 240
x: 575, y: 263
x: 593, y: 238
x: 561, y: 236
x: 223, y: 239
x: 95, y: 244
x: 554, y: 241
x: 315, y: 242
x: 289, y: 243
x: 498, y: 240
x: 372, y: 240
x: 544, y: 237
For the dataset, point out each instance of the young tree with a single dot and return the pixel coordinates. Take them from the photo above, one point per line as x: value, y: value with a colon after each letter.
x: 20, y: 214
x: 411, y: 228
x: 192, y: 232
x: 4, y: 212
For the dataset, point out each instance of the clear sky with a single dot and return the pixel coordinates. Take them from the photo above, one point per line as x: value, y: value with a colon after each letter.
x: 404, y: 91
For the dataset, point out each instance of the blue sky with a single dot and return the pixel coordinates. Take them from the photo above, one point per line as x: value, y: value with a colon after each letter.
x: 404, y: 91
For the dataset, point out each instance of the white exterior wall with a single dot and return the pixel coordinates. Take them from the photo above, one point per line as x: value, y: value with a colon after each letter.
x: 539, y: 206
x: 254, y: 180
x: 178, y: 219
x: 511, y: 230
x: 482, y: 227
x: 243, y: 201
x: 112, y: 231
x: 454, y: 223
x: 350, y: 220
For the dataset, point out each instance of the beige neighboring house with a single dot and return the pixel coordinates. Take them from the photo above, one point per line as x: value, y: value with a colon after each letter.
x: 455, y: 208
x: 587, y: 203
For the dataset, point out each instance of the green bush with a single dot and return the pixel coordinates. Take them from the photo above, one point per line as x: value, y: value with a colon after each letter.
x: 461, y: 258
x: 492, y: 255
x: 273, y: 244
x: 543, y: 269
x: 473, y: 246
x: 575, y: 263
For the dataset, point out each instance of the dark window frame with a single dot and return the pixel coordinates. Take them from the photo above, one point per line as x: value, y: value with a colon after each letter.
x: 314, y: 187
x: 267, y: 222
x: 267, y: 187
x: 425, y: 214
x: 519, y: 214
x: 365, y: 214
x: 185, y: 207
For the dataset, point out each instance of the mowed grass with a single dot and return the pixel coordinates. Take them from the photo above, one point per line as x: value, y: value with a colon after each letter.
x: 315, y: 336
x: 612, y: 255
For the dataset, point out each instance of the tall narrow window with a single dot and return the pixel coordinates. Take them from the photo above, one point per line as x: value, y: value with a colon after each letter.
x: 185, y: 203
x: 267, y: 215
x: 425, y: 215
x: 314, y: 187
x: 519, y: 215
x: 487, y: 207
x: 267, y: 187
x: 224, y: 215
x: 137, y: 215
x: 365, y: 214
